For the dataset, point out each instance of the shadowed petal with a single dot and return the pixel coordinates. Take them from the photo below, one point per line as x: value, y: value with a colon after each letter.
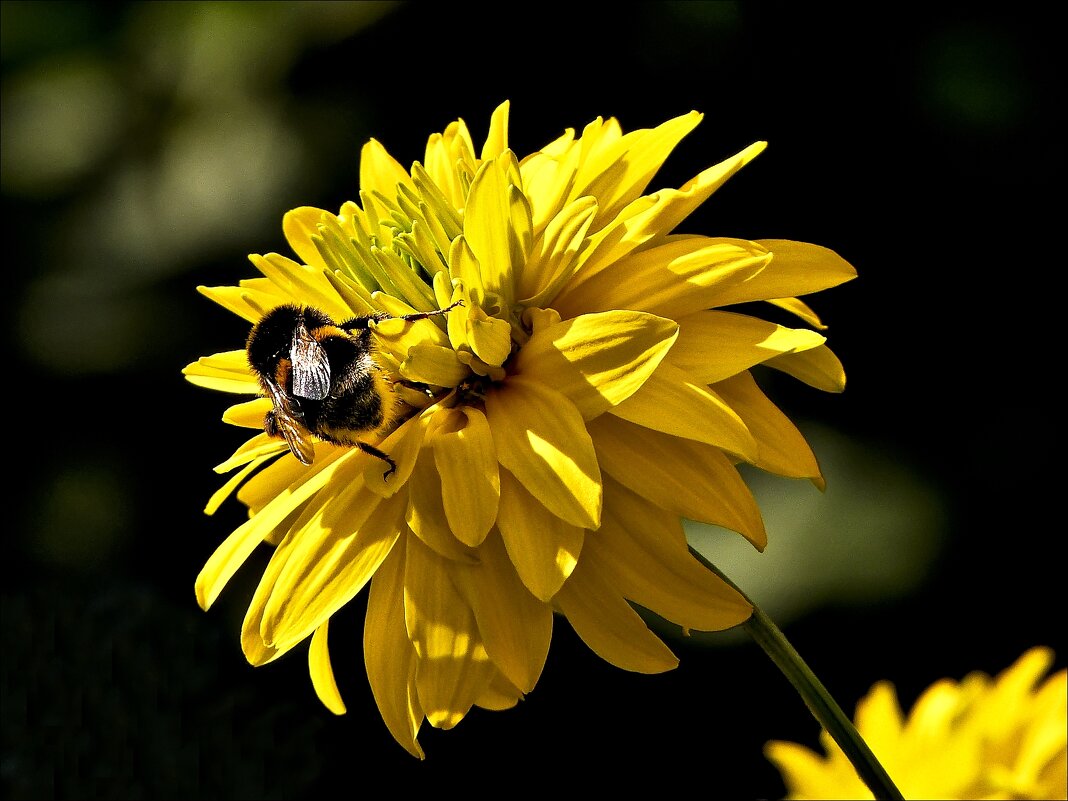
x: 542, y: 440
x: 515, y: 626
x: 688, y: 478
x: 643, y: 553
x: 388, y: 654
x: 454, y: 668
x: 605, y: 621
x: 543, y: 548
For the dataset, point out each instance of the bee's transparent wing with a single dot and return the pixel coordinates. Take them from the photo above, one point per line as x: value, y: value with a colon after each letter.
x: 311, y: 367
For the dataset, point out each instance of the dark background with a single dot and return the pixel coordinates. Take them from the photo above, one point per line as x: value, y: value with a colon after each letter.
x: 147, y: 148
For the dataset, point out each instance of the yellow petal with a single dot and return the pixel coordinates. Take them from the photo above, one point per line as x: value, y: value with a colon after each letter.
x: 781, y: 448
x: 433, y: 364
x: 225, y: 372
x: 233, y: 552
x: 605, y: 621
x: 301, y: 281
x: 254, y: 448
x: 714, y: 345
x: 453, y: 668
x: 543, y: 548
x: 244, y: 301
x: 640, y: 154
x: 426, y: 510
x: 796, y: 268
x: 322, y: 673
x: 299, y: 226
x: 542, y: 440
x: 488, y: 225
x: 497, y: 138
x: 554, y: 254
x: 515, y: 626
x: 249, y: 414
x: 388, y: 654
x: 232, y: 483
x: 800, y: 309
x: 597, y: 360
x: 380, y: 172
x: 679, y: 277
x: 687, y: 478
x: 656, y: 215
x: 818, y: 368
x: 642, y: 553
x: 470, y: 485
x: 330, y: 559
x: 670, y: 401
x: 489, y: 337
x: 499, y: 695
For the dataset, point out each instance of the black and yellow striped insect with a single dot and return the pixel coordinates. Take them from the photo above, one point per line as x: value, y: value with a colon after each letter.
x: 322, y: 378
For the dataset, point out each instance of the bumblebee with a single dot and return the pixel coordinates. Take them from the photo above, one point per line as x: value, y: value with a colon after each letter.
x: 322, y: 378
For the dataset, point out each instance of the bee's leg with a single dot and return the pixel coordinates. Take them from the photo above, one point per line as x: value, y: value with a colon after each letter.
x: 373, y: 451
x: 270, y: 425
x: 424, y: 315
x: 357, y: 323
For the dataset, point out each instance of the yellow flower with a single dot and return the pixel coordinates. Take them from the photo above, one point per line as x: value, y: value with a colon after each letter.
x: 983, y: 737
x: 550, y: 432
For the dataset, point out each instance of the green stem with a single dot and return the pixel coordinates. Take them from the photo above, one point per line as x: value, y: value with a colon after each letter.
x: 819, y: 702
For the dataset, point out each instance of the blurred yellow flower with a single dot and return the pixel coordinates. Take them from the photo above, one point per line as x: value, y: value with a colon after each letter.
x: 548, y: 432
x: 983, y: 737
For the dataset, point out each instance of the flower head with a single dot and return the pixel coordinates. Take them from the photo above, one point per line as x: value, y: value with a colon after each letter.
x: 982, y: 737
x: 561, y: 385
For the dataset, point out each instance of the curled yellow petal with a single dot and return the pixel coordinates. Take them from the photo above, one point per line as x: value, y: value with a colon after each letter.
x: 470, y: 483
x: 818, y: 368
x: 322, y: 673
x: 543, y: 547
x: 796, y: 268
x: 542, y: 440
x: 597, y: 360
x: 781, y: 448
